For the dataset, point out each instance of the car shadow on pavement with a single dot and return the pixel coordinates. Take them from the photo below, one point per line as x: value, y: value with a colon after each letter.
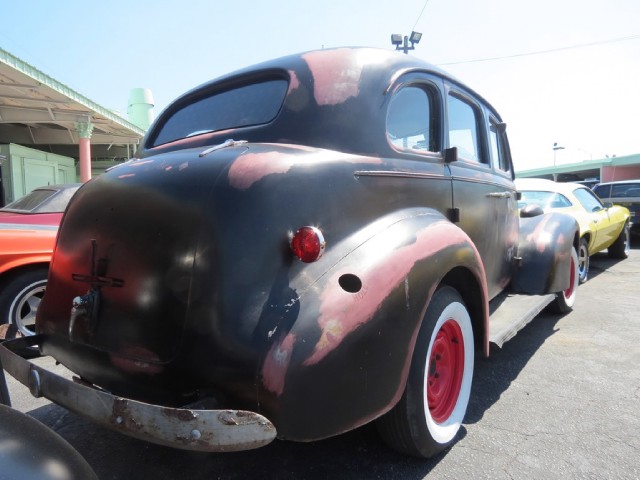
x: 359, y: 454
x: 493, y: 375
x: 601, y: 261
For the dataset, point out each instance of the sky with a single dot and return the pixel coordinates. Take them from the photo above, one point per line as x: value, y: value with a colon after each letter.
x: 558, y: 71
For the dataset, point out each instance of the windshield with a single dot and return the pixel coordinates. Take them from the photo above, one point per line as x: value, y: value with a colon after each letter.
x: 247, y: 105
x: 543, y: 199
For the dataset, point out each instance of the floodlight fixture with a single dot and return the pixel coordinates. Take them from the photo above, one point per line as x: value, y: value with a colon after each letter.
x: 415, y: 37
x: 396, y: 39
x: 402, y: 43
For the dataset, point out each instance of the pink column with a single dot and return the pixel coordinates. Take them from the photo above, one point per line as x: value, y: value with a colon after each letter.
x: 84, y: 130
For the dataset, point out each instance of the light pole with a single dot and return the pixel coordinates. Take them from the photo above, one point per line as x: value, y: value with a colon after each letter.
x: 403, y: 43
x: 556, y: 147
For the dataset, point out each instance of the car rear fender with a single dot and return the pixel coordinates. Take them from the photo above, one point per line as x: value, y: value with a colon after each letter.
x: 358, y: 324
x: 544, y: 253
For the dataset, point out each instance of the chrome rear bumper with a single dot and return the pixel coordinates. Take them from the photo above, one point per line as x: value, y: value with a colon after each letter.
x: 189, y: 429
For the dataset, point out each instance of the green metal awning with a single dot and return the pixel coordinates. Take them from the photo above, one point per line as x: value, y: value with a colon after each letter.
x: 40, y: 112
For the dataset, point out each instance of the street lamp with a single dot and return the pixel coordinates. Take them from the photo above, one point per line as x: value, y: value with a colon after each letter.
x: 556, y: 147
x: 402, y: 43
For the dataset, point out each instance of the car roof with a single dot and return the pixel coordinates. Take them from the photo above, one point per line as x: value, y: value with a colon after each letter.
x: 544, y: 185
x: 620, y: 182
x: 323, y: 85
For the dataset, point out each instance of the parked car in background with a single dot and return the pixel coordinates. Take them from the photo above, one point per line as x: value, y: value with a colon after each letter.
x: 625, y: 193
x: 588, y: 183
x: 601, y: 226
x: 28, y: 228
x: 41, y: 206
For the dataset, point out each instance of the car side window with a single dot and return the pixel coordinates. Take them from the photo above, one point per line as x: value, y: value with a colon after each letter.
x: 410, y: 123
x: 626, y: 191
x: 499, y: 153
x: 602, y: 191
x: 464, y: 133
x: 588, y: 200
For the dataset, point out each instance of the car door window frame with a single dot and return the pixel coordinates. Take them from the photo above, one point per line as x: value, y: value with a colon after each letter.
x: 435, y: 115
x: 502, y: 164
x: 481, y: 155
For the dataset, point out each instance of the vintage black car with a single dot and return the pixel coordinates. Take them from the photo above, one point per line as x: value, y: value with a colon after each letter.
x: 299, y: 248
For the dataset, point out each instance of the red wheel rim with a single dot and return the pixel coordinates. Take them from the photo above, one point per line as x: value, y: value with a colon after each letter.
x: 572, y: 278
x: 446, y: 366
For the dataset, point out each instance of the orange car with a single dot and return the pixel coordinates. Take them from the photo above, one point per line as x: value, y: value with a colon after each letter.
x: 28, y: 229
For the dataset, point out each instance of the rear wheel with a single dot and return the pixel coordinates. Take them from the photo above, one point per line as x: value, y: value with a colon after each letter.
x: 20, y: 296
x: 429, y: 415
x: 566, y: 299
x: 621, y: 247
x: 583, y: 260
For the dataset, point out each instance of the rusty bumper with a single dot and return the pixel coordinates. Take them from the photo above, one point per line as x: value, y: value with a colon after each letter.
x: 202, y: 430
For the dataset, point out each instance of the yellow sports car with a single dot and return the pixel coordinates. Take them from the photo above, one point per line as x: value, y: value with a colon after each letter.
x: 601, y: 225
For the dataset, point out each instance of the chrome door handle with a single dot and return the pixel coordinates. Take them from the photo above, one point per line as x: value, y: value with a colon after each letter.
x: 499, y: 195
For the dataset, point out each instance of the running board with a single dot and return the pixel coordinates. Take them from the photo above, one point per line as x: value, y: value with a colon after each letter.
x: 511, y: 313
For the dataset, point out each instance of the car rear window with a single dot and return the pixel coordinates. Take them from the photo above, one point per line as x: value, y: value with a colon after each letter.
x: 242, y: 106
x: 42, y: 201
x: 30, y: 201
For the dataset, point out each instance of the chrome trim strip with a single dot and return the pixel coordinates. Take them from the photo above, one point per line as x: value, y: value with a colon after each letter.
x: 483, y: 182
x: 26, y: 226
x: 397, y: 174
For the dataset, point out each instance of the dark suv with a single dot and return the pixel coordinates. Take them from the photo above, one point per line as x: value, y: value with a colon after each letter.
x: 625, y: 193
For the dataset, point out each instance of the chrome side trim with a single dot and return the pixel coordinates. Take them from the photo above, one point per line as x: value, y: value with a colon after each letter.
x: 482, y: 182
x: 397, y: 174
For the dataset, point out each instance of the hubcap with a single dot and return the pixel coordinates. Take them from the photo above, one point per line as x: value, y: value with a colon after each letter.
x: 582, y: 261
x: 446, y: 366
x: 25, y: 313
x: 627, y: 240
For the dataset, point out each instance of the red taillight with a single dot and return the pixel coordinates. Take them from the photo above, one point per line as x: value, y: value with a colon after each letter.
x: 308, y: 244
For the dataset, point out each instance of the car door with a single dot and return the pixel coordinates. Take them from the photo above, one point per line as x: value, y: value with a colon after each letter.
x: 485, y: 200
x: 414, y: 131
x: 600, y: 223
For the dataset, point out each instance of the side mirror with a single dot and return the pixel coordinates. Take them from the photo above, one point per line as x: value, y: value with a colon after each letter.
x: 451, y: 155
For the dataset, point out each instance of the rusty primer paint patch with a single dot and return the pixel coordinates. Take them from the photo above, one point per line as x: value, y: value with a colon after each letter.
x: 336, y: 76
x: 251, y: 167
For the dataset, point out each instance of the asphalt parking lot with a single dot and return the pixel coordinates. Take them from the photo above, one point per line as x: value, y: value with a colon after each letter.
x: 559, y: 401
